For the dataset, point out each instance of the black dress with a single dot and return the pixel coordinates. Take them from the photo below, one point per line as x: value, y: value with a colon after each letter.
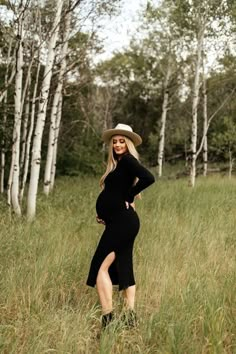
x: 122, y: 224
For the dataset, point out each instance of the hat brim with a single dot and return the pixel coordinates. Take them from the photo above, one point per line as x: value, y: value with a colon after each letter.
x: 136, y: 139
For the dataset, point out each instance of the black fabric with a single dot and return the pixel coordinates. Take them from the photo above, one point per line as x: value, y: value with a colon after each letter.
x: 122, y: 224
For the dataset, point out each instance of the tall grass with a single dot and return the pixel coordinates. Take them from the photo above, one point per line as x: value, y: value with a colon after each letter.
x: 185, y: 265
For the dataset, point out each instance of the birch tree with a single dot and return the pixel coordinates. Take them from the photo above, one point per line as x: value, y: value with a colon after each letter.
x: 56, y: 108
x: 195, y: 95
x: 25, y: 167
x: 15, y: 168
x: 26, y: 107
x: 165, y: 104
x: 198, y: 21
x: 25, y: 126
x: 55, y: 145
x: 40, y: 123
x: 205, y: 120
x: 164, y: 41
x: 34, y: 54
x: 3, y: 152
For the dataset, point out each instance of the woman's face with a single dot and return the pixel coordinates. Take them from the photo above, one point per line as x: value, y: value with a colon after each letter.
x: 119, y: 145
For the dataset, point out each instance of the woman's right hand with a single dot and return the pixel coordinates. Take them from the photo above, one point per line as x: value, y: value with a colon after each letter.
x: 127, y: 204
x: 100, y: 221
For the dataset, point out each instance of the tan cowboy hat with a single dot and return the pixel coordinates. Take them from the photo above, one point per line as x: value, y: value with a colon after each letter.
x: 122, y: 129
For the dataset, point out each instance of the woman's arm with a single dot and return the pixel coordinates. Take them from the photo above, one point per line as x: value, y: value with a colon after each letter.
x: 145, y: 177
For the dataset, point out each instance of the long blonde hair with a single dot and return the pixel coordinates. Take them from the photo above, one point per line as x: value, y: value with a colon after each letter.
x: 112, y: 162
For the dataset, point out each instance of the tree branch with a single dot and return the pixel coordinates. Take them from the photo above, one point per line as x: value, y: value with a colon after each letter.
x: 73, y: 6
x: 211, y: 118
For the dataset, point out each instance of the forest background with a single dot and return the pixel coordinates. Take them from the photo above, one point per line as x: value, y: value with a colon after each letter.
x: 174, y: 84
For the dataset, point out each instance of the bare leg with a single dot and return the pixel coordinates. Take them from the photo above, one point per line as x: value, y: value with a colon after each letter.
x: 129, y: 297
x: 104, y: 284
x: 129, y: 317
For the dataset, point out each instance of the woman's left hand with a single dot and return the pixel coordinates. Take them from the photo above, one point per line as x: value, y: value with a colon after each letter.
x: 100, y: 221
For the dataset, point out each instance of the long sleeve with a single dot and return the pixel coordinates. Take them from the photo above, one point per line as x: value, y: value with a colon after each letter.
x: 145, y: 177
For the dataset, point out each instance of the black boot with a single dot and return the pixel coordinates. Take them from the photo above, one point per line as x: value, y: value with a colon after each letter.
x: 107, y: 319
x: 129, y: 319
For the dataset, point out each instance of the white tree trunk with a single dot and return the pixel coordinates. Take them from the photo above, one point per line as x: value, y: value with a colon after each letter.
x: 57, y: 128
x: 9, y: 185
x: 25, y: 128
x: 163, y: 119
x: 196, y: 87
x: 15, y: 167
x: 231, y: 163
x: 29, y: 136
x: 3, y: 155
x: 37, y: 141
x: 26, y: 93
x: 209, y: 120
x: 51, y: 142
x: 56, y: 100
x: 205, y: 125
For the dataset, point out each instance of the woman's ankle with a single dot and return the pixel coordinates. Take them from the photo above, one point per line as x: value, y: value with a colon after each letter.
x: 107, y: 318
x: 129, y: 318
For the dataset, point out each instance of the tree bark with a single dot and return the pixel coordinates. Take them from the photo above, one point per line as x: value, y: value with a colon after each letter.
x: 25, y: 94
x: 29, y: 136
x: 231, y: 163
x: 25, y: 128
x: 54, y: 113
x: 3, y: 149
x: 57, y: 129
x: 163, y: 119
x: 205, y: 125
x: 15, y: 166
x: 40, y: 123
x: 195, y: 101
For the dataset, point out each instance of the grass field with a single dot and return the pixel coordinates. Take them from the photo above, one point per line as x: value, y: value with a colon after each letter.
x: 185, y: 266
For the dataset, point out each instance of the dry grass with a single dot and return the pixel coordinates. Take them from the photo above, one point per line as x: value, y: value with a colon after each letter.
x: 185, y: 264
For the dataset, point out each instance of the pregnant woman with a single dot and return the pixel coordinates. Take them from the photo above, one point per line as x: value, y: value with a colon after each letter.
x: 112, y: 263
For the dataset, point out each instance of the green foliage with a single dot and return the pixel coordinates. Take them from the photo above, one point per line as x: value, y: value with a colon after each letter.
x: 80, y: 146
x: 80, y: 159
x: 223, y: 140
x: 184, y: 262
x: 191, y: 15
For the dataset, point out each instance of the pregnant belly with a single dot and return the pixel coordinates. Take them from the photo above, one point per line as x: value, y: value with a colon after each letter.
x: 108, y: 205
